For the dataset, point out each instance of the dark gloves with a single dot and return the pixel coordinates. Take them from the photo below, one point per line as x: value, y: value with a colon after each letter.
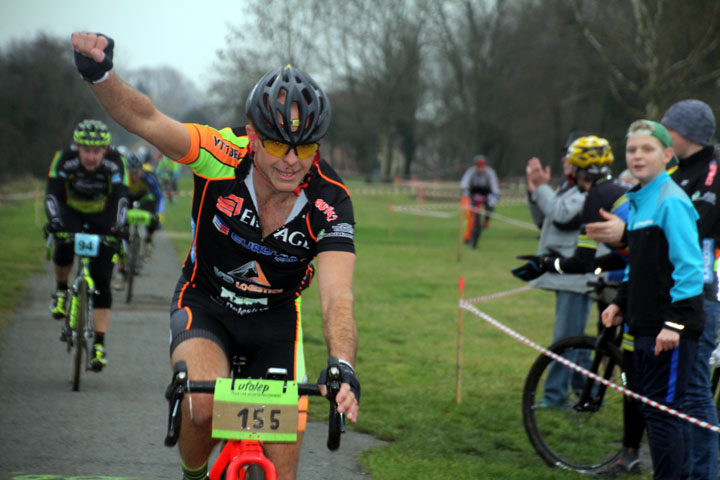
x: 536, y: 265
x: 92, y: 71
x: 347, y: 375
x: 53, y: 226
x: 530, y: 270
x: 121, y: 231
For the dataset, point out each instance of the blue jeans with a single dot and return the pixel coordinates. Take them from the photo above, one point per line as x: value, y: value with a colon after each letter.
x: 701, y: 445
x: 664, y: 378
x: 571, y: 316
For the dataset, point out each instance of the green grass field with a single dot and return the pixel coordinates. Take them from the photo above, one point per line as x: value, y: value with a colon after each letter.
x: 406, y: 294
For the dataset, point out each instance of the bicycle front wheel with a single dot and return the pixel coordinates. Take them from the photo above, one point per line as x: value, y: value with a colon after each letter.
x: 79, y: 312
x: 581, y: 431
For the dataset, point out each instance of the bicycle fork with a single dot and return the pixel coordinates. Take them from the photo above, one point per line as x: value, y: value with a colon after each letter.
x: 239, y: 454
x: 593, y: 391
x: 71, y: 334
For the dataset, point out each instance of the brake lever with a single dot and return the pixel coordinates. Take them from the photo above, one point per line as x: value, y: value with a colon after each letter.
x: 336, y: 419
x: 174, y: 394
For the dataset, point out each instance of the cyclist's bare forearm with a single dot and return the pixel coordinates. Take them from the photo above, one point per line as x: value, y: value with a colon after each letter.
x: 137, y: 114
x: 335, y: 272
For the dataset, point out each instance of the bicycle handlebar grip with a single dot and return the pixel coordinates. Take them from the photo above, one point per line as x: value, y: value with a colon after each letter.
x: 335, y: 421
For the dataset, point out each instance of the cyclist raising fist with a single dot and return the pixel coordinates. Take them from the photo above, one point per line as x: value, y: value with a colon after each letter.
x: 265, y: 205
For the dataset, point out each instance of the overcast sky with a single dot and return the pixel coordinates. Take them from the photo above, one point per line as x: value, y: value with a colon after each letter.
x: 181, y: 34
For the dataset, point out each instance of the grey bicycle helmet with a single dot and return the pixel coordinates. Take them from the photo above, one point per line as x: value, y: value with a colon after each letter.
x: 134, y: 163
x: 271, y: 118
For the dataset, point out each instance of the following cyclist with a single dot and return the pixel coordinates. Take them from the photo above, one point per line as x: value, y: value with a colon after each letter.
x: 479, y: 185
x: 168, y: 172
x: 265, y: 205
x: 144, y: 189
x: 87, y: 192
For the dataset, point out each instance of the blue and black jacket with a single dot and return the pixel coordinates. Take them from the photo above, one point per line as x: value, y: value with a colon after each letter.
x: 663, y: 282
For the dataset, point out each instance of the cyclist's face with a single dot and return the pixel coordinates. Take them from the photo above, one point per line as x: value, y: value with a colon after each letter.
x: 90, y: 157
x: 135, y: 177
x: 283, y: 173
x: 646, y: 157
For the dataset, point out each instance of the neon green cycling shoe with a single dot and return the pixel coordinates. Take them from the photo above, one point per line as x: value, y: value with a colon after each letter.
x: 98, y: 360
x: 58, y: 304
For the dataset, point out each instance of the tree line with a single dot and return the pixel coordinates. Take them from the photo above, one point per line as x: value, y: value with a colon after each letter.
x: 417, y: 86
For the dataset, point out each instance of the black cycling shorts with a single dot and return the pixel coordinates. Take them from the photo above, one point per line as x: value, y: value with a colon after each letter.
x: 266, y: 339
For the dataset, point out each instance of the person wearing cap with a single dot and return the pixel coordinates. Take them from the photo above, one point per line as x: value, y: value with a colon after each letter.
x: 265, y: 205
x: 480, y: 187
x: 557, y: 212
x: 660, y: 298
x: 691, y: 126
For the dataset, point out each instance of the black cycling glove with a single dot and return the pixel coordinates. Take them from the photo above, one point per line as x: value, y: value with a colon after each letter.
x: 53, y: 226
x: 120, y: 231
x: 92, y: 71
x: 347, y: 375
x: 531, y: 270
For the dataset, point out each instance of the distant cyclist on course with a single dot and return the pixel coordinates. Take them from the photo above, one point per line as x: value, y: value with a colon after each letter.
x: 265, y: 204
x: 143, y: 188
x: 87, y: 191
x: 479, y: 186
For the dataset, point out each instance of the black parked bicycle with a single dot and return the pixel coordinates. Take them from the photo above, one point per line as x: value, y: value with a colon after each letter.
x: 585, y: 433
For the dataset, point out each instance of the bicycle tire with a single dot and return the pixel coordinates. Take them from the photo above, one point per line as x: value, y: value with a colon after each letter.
x: 574, y: 437
x: 477, y: 229
x: 254, y: 472
x: 132, y: 266
x: 79, y: 309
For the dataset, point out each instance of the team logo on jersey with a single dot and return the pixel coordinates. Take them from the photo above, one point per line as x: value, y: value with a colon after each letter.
x: 248, y: 278
x: 230, y: 205
x: 220, y: 225
x: 343, y: 230
x: 238, y: 300
x: 252, y: 272
x: 327, y: 209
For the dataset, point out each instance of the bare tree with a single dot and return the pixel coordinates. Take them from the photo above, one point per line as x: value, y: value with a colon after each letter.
x: 655, y: 51
x: 41, y: 100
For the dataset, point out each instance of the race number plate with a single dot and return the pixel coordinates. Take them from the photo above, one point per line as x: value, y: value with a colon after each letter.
x: 136, y: 216
x: 265, y: 410
x: 86, y: 244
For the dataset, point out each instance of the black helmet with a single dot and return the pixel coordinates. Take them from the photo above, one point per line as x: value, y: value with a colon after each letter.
x: 271, y: 119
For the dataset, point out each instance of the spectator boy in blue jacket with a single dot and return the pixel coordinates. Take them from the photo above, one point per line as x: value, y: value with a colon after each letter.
x: 661, y: 295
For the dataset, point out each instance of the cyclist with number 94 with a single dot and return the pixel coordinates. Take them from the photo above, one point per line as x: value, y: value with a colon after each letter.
x: 87, y: 191
x: 265, y: 205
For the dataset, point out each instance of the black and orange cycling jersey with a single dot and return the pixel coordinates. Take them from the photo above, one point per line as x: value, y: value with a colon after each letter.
x: 229, y: 259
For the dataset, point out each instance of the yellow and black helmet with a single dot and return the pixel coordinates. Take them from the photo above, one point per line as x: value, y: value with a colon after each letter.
x: 590, y: 151
x: 93, y: 133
